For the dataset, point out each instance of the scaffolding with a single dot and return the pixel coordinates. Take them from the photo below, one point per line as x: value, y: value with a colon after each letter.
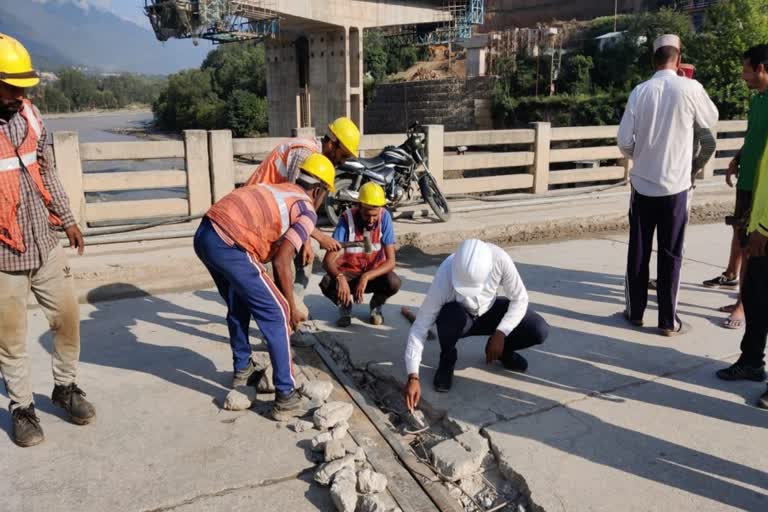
x: 456, y: 21
x: 220, y: 21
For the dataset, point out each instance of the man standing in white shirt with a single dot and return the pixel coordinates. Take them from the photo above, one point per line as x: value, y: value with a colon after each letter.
x: 656, y: 132
x: 462, y: 301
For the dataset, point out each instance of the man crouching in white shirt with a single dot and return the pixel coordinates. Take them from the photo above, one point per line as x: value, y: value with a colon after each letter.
x: 656, y: 132
x: 462, y: 302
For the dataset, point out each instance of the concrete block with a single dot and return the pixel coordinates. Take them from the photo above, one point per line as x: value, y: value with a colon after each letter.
x: 324, y: 475
x: 469, y: 421
x: 456, y: 460
x: 317, y: 389
x: 331, y: 414
x: 360, y: 455
x: 334, y: 449
x: 198, y: 174
x: 370, y: 482
x: 343, y: 492
x: 370, y: 504
x: 240, y: 398
x: 300, y: 426
x: 318, y: 442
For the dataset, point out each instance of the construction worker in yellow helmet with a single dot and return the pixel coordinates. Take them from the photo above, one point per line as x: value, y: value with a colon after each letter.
x: 367, y: 263
x: 246, y: 229
x: 282, y: 165
x: 34, y: 206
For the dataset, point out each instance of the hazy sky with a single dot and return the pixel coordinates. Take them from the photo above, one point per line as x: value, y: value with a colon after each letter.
x: 132, y: 10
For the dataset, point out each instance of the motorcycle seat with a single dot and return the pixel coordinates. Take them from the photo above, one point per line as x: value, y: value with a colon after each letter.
x: 372, y: 163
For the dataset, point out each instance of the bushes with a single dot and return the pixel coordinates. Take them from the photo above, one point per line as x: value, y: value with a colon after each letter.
x: 560, y: 110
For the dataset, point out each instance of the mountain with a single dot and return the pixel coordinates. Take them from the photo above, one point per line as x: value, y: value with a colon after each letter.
x: 62, y: 33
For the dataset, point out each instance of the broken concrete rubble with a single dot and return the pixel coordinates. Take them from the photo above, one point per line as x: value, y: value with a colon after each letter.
x: 300, y: 426
x: 334, y: 449
x: 461, y: 457
x: 339, y: 432
x: 325, y: 473
x: 331, y: 414
x: 318, y: 442
x: 318, y: 390
x: 240, y: 398
x: 370, y: 482
x: 263, y: 364
x: 370, y: 504
x: 343, y: 491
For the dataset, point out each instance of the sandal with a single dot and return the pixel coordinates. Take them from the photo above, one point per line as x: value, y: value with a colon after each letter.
x: 730, y: 308
x: 734, y: 323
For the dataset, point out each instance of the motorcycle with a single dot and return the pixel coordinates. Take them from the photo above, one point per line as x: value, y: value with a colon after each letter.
x: 396, y: 169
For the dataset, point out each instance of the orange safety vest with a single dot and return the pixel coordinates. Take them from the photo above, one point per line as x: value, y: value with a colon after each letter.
x: 354, y: 261
x: 12, y: 161
x: 257, y: 216
x: 274, y: 169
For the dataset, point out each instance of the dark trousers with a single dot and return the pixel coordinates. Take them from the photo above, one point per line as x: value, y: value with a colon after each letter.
x: 454, y: 323
x: 668, y: 214
x: 755, y: 298
x: 382, y: 288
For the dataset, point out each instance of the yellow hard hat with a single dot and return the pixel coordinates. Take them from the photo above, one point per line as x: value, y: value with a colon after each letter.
x: 16, y: 64
x: 320, y: 167
x: 346, y: 132
x: 371, y: 194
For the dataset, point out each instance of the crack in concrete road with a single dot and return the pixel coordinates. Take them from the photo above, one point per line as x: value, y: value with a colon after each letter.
x: 230, y: 490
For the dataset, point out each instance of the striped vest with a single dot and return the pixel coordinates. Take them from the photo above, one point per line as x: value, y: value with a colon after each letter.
x: 355, y: 261
x: 12, y: 162
x: 257, y: 216
x: 274, y: 169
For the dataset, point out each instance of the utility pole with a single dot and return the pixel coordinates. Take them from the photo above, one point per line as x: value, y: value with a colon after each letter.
x: 615, y: 13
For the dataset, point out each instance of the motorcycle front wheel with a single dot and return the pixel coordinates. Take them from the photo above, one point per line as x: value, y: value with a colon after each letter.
x: 434, y: 198
x: 334, y: 207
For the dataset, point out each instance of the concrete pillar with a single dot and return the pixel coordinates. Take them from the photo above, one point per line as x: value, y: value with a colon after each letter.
x: 222, y: 163
x: 307, y: 132
x: 282, y: 86
x: 198, y: 175
x: 355, y: 54
x: 541, y: 147
x: 435, y: 150
x: 66, y: 148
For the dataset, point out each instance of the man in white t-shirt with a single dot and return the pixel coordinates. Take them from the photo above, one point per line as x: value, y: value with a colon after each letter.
x: 656, y: 132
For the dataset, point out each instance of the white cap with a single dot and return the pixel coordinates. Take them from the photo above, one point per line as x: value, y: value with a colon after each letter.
x: 667, y: 40
x: 471, y: 267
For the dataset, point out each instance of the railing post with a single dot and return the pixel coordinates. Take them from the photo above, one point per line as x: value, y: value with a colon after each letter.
x: 307, y: 132
x: 66, y: 148
x: 198, y: 175
x: 222, y: 163
x: 434, y: 151
x: 709, y: 169
x: 541, y: 146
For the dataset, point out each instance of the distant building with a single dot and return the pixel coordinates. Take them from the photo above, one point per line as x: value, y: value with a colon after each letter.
x: 47, y: 77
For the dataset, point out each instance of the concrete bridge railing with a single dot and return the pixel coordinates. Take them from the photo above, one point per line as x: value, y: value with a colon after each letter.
x: 523, y: 160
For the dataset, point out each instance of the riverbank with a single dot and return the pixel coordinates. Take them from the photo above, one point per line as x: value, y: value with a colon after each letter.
x: 141, y: 109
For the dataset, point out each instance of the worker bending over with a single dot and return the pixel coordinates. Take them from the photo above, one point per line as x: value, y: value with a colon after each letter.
x: 462, y: 302
x: 367, y: 263
x: 32, y: 204
x: 282, y: 166
x: 244, y: 230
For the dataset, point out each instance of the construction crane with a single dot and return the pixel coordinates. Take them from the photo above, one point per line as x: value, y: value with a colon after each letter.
x: 220, y: 21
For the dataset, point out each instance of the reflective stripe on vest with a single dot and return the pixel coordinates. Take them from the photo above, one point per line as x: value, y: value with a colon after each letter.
x: 32, y: 120
x: 282, y: 205
x: 352, y: 236
x: 12, y: 164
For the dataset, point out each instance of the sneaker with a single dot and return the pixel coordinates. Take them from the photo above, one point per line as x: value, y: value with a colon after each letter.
x: 241, y: 377
x: 289, y: 406
x: 721, y: 281
x: 740, y: 371
x: 345, y: 316
x: 72, y: 399
x: 515, y: 363
x: 684, y: 328
x: 26, y: 426
x: 635, y: 323
x: 376, y: 317
x: 762, y: 402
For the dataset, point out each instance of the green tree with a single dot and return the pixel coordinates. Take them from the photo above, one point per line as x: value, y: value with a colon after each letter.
x: 575, y: 77
x: 247, y: 113
x: 375, y: 54
x: 189, y: 101
x: 76, y: 86
x: 237, y: 66
x: 730, y: 28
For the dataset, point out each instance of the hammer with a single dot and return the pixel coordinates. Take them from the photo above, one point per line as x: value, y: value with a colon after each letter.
x: 365, y: 243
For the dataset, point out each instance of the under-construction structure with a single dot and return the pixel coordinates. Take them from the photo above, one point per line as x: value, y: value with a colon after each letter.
x: 314, y: 48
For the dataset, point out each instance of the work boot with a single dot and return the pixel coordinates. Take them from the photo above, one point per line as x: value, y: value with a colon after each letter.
x: 26, y: 426
x: 515, y: 363
x: 376, y: 317
x: 683, y: 328
x: 444, y: 375
x: 762, y: 402
x: 72, y: 399
x: 345, y: 316
x: 240, y: 377
x: 741, y: 371
x: 289, y: 406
